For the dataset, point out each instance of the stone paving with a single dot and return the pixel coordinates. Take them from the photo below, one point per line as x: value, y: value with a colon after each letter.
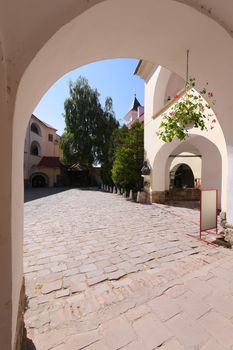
x: 103, y: 273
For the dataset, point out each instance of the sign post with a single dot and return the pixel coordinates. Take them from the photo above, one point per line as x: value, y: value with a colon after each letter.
x: 208, y: 214
x: 208, y: 211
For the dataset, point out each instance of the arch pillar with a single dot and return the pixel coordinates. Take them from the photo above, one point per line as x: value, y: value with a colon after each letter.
x: 227, y: 217
x: 9, y: 296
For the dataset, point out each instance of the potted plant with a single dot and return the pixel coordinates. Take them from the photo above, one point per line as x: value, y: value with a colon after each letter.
x: 189, y: 109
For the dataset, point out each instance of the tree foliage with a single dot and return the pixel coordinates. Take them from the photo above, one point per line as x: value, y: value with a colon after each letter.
x: 117, y: 139
x: 129, y: 156
x: 88, y: 126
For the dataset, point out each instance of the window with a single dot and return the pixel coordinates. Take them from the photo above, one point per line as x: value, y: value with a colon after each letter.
x: 50, y: 137
x: 35, y: 129
x: 35, y: 149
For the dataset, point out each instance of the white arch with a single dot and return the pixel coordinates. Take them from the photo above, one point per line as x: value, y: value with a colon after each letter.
x: 92, y: 36
x: 212, y: 164
x: 183, y: 158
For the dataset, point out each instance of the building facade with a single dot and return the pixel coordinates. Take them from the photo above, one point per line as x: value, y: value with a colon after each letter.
x: 41, y: 154
x: 179, y: 168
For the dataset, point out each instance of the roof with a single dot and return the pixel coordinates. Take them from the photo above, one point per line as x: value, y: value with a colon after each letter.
x: 135, y: 104
x: 45, y: 124
x: 140, y: 119
x: 49, y: 162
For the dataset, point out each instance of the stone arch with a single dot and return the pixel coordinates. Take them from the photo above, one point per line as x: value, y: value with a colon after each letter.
x: 98, y: 41
x: 181, y: 176
x: 212, y: 164
x: 39, y: 179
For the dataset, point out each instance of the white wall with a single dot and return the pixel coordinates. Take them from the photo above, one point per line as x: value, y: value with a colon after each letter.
x: 157, y: 152
x: 37, y: 47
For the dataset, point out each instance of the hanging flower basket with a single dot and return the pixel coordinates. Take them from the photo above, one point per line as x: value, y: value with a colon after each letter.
x: 189, y: 110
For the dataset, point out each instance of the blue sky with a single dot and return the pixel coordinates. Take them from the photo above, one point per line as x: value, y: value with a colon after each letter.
x: 111, y: 78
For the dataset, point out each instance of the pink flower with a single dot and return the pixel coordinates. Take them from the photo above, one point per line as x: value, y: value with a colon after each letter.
x: 202, y: 109
x: 172, y: 114
x: 210, y: 94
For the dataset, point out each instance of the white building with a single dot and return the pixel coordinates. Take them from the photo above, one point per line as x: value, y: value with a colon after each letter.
x: 198, y: 162
x: 41, y: 154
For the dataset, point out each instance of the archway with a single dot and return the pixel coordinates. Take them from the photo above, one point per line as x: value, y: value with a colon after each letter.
x: 92, y: 45
x: 181, y: 176
x: 212, y: 165
x: 39, y: 180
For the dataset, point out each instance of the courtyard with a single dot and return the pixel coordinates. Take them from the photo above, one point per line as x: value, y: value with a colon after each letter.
x: 103, y: 273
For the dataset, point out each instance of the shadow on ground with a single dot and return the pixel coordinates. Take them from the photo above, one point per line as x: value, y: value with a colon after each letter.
x: 184, y: 204
x: 28, y: 344
x: 31, y: 194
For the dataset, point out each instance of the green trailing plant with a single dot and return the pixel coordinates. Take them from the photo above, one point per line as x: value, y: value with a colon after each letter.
x: 188, y: 110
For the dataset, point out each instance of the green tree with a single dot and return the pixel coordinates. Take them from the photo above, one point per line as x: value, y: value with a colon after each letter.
x: 117, y: 139
x: 129, y: 156
x: 88, y: 125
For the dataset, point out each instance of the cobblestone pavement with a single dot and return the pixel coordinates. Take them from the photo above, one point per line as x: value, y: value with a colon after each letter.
x: 103, y: 273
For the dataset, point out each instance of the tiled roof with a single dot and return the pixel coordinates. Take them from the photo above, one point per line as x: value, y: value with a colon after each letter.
x: 49, y: 162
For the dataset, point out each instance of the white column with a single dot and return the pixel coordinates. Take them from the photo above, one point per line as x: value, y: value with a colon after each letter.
x: 5, y: 212
x: 230, y: 186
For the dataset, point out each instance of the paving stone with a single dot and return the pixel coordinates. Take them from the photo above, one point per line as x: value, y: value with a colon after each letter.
x: 117, y: 333
x: 82, y: 340
x: 188, y: 332
x: 201, y: 288
x: 59, y: 268
x: 172, y: 344
x: 213, y: 345
x: 99, y: 345
x: 71, y: 272
x: 192, y: 305
x: 176, y: 291
x: 221, y: 303
x: 134, y: 346
x: 137, y: 312
x: 87, y: 268
x: 95, y: 280
x: 111, y: 268
x: 116, y: 275
x: 51, y: 287
x: 62, y: 232
x: 219, y: 327
x: 164, y: 307
x: 62, y: 293
x: 49, y: 339
x: 151, y: 331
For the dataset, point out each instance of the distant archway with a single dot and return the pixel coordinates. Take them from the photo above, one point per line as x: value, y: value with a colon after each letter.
x: 39, y: 180
x: 181, y: 176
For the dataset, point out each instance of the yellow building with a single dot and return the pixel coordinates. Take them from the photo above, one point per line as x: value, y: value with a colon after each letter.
x: 41, y: 154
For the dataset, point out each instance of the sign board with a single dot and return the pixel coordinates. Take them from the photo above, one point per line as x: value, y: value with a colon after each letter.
x: 208, y: 210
